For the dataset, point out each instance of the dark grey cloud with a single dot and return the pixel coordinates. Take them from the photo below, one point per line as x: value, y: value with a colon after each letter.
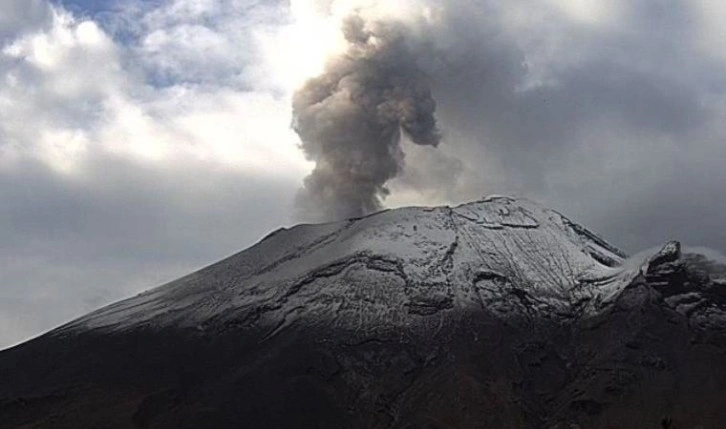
x: 607, y: 121
x: 71, y: 244
x: 111, y: 185
x: 617, y: 123
x: 18, y: 17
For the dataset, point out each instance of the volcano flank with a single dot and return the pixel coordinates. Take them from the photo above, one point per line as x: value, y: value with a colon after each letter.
x: 495, y: 314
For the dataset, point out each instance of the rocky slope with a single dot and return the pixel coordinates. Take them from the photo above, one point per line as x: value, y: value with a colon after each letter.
x: 494, y: 314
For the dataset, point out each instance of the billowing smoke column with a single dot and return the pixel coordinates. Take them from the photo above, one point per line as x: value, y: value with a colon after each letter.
x: 351, y: 119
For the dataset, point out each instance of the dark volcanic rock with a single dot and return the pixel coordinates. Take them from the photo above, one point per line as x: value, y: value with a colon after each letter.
x: 496, y: 314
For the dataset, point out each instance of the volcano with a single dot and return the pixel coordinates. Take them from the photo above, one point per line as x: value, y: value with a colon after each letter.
x: 495, y: 314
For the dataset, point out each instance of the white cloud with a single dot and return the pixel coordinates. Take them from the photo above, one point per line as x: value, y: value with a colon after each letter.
x: 100, y: 141
x: 70, y: 80
x: 137, y: 145
x: 592, y: 12
x: 709, y: 17
x: 55, y: 84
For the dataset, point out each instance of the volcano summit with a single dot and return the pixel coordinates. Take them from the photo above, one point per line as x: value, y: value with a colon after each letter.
x: 494, y: 314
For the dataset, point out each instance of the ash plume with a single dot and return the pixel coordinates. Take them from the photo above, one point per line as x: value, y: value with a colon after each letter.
x: 351, y: 120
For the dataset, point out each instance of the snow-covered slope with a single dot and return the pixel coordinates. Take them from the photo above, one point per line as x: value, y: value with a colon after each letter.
x: 496, y: 314
x: 392, y: 269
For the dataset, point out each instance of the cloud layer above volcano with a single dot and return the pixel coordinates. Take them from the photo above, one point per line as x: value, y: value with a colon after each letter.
x: 141, y: 140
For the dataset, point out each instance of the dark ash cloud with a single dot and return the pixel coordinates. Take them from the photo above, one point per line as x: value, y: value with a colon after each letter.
x: 352, y: 117
x: 618, y: 123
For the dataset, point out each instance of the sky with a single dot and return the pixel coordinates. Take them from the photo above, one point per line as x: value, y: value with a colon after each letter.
x: 142, y: 140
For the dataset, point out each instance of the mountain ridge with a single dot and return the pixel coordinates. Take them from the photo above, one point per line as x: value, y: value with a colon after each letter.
x: 494, y: 314
x: 443, y: 230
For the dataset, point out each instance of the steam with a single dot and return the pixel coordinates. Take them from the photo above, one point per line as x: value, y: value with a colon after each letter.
x: 351, y: 120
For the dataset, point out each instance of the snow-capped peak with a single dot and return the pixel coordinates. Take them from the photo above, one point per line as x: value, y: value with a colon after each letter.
x: 397, y: 268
